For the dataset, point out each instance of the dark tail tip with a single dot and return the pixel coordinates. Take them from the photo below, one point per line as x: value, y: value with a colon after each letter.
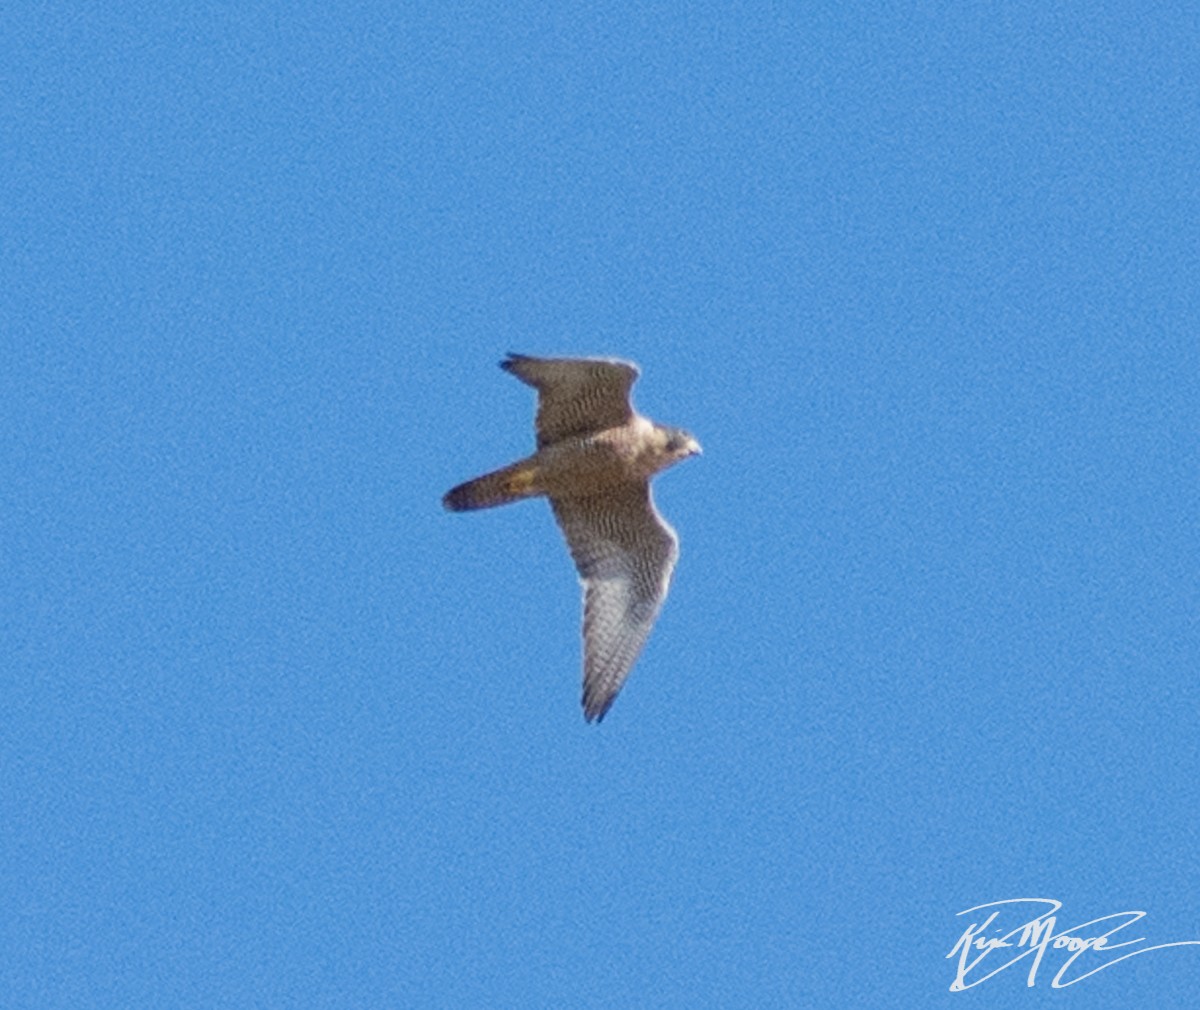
x: 457, y: 499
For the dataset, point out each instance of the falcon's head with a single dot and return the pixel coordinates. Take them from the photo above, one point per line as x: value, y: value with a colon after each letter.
x: 679, y: 445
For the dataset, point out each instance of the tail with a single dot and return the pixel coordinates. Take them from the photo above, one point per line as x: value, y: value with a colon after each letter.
x: 512, y: 483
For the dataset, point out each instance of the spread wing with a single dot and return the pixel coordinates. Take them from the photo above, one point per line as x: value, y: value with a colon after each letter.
x: 625, y: 553
x: 576, y: 396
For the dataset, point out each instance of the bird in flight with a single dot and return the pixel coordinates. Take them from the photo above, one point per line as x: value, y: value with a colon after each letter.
x: 595, y: 457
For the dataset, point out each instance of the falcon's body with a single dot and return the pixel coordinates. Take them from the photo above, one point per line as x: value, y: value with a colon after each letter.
x: 594, y: 462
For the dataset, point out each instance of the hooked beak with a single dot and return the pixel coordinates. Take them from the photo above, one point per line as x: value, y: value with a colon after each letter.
x: 693, y: 448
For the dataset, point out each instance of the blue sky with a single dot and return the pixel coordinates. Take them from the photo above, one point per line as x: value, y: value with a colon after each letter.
x: 280, y: 732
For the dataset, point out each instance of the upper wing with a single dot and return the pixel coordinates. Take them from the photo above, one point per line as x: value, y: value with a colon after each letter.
x: 576, y: 396
x: 625, y: 553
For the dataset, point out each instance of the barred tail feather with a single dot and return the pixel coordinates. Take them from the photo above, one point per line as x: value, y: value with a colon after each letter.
x: 500, y: 487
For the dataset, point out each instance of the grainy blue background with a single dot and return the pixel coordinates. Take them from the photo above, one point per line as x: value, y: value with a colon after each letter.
x: 278, y: 732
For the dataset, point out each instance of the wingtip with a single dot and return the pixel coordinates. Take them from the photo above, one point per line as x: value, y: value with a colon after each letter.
x: 594, y: 710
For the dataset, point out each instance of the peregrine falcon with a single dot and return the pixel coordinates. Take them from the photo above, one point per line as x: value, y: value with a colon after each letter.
x: 595, y: 457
